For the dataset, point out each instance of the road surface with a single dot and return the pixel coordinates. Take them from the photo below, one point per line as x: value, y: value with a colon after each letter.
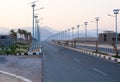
x: 65, y: 65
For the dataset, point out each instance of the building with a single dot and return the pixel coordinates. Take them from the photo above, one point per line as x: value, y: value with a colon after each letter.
x: 6, y: 41
x: 108, y: 37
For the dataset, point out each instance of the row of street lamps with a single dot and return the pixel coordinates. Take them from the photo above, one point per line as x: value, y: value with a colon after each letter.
x: 35, y: 27
x: 65, y: 35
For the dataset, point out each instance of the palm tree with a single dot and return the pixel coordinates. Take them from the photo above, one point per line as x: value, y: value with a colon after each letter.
x: 29, y: 36
x: 13, y: 34
x: 20, y: 33
x: 24, y: 32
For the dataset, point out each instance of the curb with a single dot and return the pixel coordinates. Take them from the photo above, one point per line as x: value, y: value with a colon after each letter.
x: 22, y: 54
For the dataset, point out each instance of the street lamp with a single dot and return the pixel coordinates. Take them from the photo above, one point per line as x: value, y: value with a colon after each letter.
x: 33, y: 6
x: 68, y: 34
x: 36, y: 21
x: 86, y: 23
x: 65, y: 34
x: 116, y: 11
x: 72, y: 32
x: 78, y: 26
x: 97, y: 19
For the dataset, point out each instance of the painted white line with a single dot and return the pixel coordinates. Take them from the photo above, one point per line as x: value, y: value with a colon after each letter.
x: 100, y: 72
x: 20, y: 78
x: 77, y: 60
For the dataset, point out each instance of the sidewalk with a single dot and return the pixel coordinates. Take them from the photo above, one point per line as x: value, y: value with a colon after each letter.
x: 29, y: 67
x: 100, y: 45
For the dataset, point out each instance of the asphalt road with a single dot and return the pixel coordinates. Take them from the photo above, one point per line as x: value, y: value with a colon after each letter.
x: 26, y: 66
x: 65, y: 65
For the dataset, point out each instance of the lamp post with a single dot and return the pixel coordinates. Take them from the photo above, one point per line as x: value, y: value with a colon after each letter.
x: 65, y: 34
x: 116, y: 11
x: 36, y: 21
x: 97, y: 19
x: 33, y: 6
x: 78, y: 26
x: 68, y: 34
x: 86, y: 23
x: 72, y: 32
x: 60, y: 36
x: 33, y: 35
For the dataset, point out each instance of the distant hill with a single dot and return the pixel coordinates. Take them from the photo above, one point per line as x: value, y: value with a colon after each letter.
x: 45, y: 31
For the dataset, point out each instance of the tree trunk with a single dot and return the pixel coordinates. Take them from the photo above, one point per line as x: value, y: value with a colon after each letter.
x: 115, y: 49
x: 96, y: 46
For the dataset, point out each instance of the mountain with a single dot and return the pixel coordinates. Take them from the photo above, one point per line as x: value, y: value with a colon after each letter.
x: 45, y: 31
x: 50, y: 29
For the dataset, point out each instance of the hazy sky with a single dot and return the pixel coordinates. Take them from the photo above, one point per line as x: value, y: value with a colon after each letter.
x: 59, y: 14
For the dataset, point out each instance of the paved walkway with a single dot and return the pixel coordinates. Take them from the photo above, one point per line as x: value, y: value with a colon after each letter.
x: 25, y: 66
x: 100, y: 45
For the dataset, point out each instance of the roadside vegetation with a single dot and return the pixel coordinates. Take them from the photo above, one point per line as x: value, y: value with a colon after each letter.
x: 22, y: 40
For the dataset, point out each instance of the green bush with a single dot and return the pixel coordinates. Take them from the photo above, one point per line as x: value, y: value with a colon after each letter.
x: 2, y: 52
x: 15, y: 49
x: 8, y: 52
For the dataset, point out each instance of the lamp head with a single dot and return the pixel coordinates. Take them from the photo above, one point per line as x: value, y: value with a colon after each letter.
x: 116, y: 11
x: 85, y: 23
x: 78, y: 26
x: 97, y: 18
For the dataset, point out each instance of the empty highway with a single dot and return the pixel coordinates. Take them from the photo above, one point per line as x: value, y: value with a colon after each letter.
x: 65, y: 65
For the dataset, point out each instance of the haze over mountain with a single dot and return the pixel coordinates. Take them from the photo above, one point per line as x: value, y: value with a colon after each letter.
x: 48, y: 31
x: 45, y: 31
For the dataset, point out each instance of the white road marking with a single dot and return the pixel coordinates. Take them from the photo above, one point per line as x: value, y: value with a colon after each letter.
x: 14, y: 77
x: 77, y: 60
x: 100, y: 72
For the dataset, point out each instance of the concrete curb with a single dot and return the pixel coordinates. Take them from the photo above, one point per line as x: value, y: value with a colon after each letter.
x: 94, y: 54
x: 22, y: 54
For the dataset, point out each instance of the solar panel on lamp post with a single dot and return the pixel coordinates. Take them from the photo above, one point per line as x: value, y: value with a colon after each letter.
x: 116, y: 11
